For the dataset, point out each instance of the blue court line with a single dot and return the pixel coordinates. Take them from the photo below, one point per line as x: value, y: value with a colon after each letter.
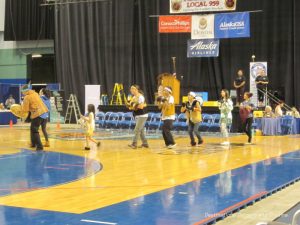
x: 199, y: 202
x: 31, y: 170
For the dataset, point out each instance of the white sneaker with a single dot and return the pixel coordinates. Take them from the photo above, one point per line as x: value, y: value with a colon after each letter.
x: 172, y: 146
x: 248, y: 143
x: 225, y: 143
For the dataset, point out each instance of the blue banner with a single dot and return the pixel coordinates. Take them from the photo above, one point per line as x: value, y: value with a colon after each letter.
x: 232, y: 25
x: 203, y: 48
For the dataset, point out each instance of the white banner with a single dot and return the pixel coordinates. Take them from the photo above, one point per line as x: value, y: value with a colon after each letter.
x: 92, y: 96
x: 254, y: 68
x: 203, y: 27
x: 187, y: 6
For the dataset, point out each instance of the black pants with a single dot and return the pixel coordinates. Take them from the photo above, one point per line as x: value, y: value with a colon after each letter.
x: 247, y: 128
x: 44, y: 128
x: 261, y: 95
x: 193, y: 129
x: 166, y: 132
x: 34, y: 133
x: 240, y: 94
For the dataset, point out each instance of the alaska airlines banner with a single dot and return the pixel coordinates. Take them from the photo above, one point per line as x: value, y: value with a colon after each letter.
x: 187, y: 6
x: 175, y: 24
x: 203, y: 27
x: 232, y: 25
x: 203, y: 48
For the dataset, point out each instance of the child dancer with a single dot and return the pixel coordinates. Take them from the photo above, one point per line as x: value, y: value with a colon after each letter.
x: 90, y: 126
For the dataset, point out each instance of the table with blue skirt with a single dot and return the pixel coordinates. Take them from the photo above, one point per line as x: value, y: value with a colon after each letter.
x: 275, y: 126
x: 6, y: 117
x: 296, y: 126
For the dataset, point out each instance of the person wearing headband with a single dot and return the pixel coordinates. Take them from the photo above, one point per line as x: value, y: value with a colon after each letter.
x: 167, y: 106
x: 192, y: 109
x: 33, y: 103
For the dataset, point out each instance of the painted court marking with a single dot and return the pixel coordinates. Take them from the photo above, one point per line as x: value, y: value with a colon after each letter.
x: 98, y: 222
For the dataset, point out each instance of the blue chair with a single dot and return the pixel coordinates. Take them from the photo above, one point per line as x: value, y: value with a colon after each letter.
x: 155, y: 122
x: 150, y: 114
x: 107, y: 114
x: 126, y: 120
x: 112, y: 121
x: 286, y: 124
x: 180, y: 124
x: 206, y: 123
x: 215, y: 126
x: 100, y: 119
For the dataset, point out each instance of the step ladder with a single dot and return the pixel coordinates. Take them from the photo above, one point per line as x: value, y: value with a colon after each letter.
x: 118, y: 97
x: 73, y: 107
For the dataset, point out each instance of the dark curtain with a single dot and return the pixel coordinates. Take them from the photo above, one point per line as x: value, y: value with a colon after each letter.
x: 116, y: 41
x: 27, y: 20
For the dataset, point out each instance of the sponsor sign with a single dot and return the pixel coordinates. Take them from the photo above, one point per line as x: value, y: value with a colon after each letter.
x: 174, y: 24
x: 203, y: 27
x: 254, y: 68
x: 203, y: 48
x: 187, y: 6
x: 232, y: 25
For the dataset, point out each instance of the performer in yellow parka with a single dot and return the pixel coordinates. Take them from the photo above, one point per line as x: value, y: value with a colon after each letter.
x: 33, y: 103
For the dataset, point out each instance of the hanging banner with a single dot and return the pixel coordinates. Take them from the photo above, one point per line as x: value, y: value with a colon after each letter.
x: 174, y: 24
x: 203, y: 48
x: 203, y: 27
x: 232, y: 25
x: 255, y: 67
x: 187, y: 6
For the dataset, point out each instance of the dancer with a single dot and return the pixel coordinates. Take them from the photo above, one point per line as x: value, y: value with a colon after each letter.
x: 167, y: 106
x: 192, y: 109
x: 225, y: 106
x: 45, y: 96
x: 90, y: 126
x: 139, y: 108
x: 33, y: 103
x: 246, y: 112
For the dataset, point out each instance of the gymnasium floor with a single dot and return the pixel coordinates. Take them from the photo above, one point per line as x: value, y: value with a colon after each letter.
x: 65, y: 185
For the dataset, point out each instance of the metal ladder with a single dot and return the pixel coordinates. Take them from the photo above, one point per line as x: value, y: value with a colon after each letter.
x: 73, y: 106
x: 118, y: 95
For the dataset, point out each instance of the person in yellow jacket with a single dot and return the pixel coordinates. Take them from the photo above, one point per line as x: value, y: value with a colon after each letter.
x: 167, y: 105
x: 192, y: 109
x: 33, y: 103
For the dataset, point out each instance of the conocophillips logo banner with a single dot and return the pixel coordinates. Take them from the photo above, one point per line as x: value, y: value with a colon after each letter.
x: 203, y: 27
x: 187, y: 6
x: 174, y: 24
x: 203, y: 48
x: 232, y: 25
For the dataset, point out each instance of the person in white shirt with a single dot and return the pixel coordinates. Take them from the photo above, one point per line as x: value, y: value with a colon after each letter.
x: 139, y: 107
x: 278, y: 109
x: 167, y: 106
x: 10, y: 101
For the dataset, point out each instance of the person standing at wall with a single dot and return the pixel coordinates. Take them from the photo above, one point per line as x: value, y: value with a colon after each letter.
x: 239, y: 85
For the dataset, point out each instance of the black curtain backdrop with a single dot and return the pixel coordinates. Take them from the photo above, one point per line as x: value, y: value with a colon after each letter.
x: 116, y: 41
x: 27, y: 20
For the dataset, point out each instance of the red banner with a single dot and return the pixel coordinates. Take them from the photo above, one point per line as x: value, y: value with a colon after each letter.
x: 175, y: 24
